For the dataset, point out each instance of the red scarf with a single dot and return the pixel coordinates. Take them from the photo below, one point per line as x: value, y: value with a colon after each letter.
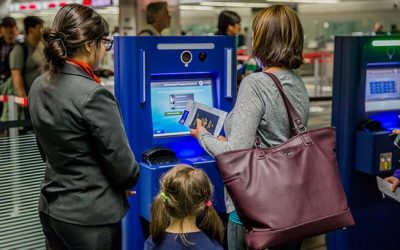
x: 85, y: 67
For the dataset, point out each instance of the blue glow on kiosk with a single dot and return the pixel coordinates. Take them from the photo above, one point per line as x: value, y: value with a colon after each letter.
x: 365, y: 109
x: 154, y: 78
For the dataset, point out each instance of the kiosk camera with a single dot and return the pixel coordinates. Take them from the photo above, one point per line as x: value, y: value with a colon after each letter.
x: 365, y: 109
x: 154, y: 79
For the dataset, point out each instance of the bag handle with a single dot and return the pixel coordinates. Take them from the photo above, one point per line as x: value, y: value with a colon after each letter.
x: 296, y: 124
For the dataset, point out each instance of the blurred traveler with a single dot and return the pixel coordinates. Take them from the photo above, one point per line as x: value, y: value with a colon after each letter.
x: 25, y: 67
x: 7, y: 43
x: 89, y: 164
x: 182, y: 214
x: 378, y: 29
x: 228, y: 23
x: 115, y: 31
x: 395, y: 179
x: 394, y: 30
x: 259, y: 109
x: 157, y: 18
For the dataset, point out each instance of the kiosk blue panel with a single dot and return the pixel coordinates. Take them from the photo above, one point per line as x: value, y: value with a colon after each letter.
x: 365, y: 108
x: 154, y: 78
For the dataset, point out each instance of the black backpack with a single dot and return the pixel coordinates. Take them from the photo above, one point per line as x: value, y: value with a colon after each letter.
x: 5, y: 71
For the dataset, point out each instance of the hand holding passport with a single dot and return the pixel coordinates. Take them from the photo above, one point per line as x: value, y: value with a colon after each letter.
x: 212, y: 119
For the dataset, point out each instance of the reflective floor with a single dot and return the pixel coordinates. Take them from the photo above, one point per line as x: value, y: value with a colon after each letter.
x: 21, y: 171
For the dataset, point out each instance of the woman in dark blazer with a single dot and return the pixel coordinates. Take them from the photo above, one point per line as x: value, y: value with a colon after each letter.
x: 89, y: 164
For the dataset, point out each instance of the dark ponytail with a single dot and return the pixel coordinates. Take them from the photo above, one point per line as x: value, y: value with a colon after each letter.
x: 74, y: 26
x: 54, y: 50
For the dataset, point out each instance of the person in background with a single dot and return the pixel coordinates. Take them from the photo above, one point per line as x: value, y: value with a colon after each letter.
x: 1, y: 32
x: 228, y: 23
x: 395, y: 179
x: 7, y: 43
x: 259, y: 109
x: 78, y: 126
x: 378, y: 29
x: 394, y: 30
x: 25, y: 67
x: 185, y: 194
x: 115, y: 31
x: 157, y: 18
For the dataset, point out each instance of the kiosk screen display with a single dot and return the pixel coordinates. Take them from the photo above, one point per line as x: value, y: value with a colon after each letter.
x: 382, y: 89
x: 168, y: 101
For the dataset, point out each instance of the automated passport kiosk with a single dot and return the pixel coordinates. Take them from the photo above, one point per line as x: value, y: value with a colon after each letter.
x: 365, y: 109
x: 154, y: 79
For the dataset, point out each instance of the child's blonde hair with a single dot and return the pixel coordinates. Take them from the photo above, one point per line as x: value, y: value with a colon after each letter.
x: 185, y: 191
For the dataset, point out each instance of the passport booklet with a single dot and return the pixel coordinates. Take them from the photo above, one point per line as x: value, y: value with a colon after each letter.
x: 212, y: 119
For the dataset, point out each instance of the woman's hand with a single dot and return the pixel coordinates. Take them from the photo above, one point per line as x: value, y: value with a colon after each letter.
x: 199, y: 128
x: 221, y: 138
x: 396, y: 132
x: 394, y: 181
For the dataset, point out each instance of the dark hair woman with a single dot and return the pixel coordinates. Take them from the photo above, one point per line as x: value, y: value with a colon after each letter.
x: 228, y: 23
x: 89, y: 164
x: 259, y: 109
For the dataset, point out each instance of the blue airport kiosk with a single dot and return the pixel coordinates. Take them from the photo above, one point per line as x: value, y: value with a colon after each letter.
x: 365, y: 108
x: 154, y: 79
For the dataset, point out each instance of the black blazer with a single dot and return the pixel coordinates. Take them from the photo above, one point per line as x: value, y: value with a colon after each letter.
x: 89, y: 163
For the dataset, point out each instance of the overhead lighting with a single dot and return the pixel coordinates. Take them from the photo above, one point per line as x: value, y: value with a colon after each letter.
x: 235, y: 4
x: 303, y: 1
x: 381, y: 43
x: 196, y: 7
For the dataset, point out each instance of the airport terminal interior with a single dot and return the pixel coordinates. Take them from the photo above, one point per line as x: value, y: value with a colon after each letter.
x: 351, y: 72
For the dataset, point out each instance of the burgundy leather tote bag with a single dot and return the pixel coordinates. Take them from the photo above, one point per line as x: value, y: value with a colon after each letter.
x: 290, y: 191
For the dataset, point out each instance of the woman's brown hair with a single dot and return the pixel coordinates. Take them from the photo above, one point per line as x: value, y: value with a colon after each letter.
x: 278, y: 37
x: 74, y: 25
x: 185, y: 191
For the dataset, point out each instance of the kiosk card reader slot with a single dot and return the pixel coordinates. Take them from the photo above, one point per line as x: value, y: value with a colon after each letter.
x: 159, y: 156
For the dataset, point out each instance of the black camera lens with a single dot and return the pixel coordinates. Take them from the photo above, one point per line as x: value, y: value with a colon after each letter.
x: 202, y: 56
x: 186, y: 57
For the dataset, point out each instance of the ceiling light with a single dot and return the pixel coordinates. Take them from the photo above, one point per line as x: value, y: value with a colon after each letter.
x: 235, y: 4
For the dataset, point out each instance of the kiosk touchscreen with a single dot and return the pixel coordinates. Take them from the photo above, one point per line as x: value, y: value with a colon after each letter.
x: 168, y: 101
x: 382, y: 89
x: 154, y: 79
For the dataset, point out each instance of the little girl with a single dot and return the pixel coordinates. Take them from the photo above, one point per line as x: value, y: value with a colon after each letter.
x: 182, y: 215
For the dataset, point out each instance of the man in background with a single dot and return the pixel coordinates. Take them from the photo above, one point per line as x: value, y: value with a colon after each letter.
x: 378, y: 29
x: 7, y: 41
x: 24, y: 66
x: 158, y: 19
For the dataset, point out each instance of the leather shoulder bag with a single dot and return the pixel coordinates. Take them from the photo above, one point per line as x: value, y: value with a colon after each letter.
x: 290, y: 191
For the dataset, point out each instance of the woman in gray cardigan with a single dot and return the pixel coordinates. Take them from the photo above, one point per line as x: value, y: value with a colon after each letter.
x: 89, y: 164
x: 259, y: 109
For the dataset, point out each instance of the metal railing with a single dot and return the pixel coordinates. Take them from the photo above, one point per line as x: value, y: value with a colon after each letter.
x: 12, y: 124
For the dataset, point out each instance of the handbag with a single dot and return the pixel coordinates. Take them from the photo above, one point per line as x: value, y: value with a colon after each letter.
x: 290, y: 191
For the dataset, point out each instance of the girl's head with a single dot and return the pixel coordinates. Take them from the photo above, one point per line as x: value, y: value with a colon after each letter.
x: 184, y: 192
x: 278, y: 38
x: 77, y: 32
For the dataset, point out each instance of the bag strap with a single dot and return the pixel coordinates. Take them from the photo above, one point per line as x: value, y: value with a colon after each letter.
x: 296, y: 124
